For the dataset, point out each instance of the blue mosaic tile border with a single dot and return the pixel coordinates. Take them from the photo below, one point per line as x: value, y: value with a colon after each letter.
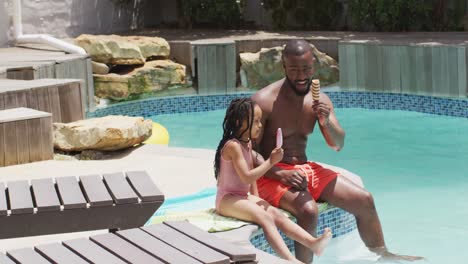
x: 168, y: 105
x: 397, y: 101
x: 340, y: 221
x: 368, y: 100
x: 258, y: 240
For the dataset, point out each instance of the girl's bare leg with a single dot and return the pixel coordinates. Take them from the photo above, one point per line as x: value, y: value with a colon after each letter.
x: 248, y: 210
x: 294, y: 231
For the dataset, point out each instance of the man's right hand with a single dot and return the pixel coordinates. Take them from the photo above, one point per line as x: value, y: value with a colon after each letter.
x: 294, y: 179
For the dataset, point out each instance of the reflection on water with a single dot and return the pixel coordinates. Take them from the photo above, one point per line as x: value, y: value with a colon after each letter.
x: 414, y: 164
x: 347, y: 249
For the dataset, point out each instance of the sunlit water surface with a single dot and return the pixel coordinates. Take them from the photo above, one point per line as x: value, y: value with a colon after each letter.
x: 415, y: 164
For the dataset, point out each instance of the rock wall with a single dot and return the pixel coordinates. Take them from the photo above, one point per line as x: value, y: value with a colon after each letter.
x: 131, y: 65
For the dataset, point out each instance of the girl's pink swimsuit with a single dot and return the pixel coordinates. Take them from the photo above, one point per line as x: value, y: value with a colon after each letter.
x: 228, y: 180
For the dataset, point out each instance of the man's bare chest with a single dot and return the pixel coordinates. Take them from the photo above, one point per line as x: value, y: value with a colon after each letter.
x: 293, y: 121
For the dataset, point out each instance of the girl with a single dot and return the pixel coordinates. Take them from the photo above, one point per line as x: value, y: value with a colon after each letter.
x: 235, y: 172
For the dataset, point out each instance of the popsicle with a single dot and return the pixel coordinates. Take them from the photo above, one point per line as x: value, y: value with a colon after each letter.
x: 279, y: 138
x: 316, y: 89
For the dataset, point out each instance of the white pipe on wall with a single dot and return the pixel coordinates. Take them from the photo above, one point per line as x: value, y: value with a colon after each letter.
x: 39, y: 38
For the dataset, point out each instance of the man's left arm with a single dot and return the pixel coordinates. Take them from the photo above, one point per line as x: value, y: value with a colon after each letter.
x: 329, y: 126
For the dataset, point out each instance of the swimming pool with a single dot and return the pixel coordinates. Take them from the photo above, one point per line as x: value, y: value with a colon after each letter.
x: 414, y: 163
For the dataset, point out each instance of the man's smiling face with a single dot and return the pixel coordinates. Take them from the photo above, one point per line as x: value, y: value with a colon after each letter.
x: 299, y: 71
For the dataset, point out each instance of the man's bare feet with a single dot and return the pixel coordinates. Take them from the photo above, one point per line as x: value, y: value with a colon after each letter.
x: 387, y: 255
x: 319, y: 245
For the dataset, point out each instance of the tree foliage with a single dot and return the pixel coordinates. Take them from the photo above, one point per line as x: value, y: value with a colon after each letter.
x: 407, y: 15
x: 210, y: 13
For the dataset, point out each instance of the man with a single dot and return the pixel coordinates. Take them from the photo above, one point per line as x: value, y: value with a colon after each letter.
x: 296, y: 184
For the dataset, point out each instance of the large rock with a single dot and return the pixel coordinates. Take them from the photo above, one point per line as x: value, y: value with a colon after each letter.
x: 151, y: 46
x: 121, y: 50
x: 153, y: 76
x: 100, y: 68
x: 105, y: 133
x: 264, y: 67
x: 261, y: 68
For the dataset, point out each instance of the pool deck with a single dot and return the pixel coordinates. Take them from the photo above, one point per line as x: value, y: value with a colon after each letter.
x: 176, y: 171
x: 170, y: 168
x: 179, y: 171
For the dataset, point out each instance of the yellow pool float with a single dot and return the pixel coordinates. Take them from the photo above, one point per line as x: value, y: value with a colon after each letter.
x: 159, y: 135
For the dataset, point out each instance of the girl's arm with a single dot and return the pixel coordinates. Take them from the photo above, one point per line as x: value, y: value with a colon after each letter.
x: 258, y: 159
x: 233, y: 152
x: 254, y: 189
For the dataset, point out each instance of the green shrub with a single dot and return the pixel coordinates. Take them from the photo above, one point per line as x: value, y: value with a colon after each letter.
x: 303, y: 14
x: 318, y: 15
x: 211, y: 13
x: 406, y: 15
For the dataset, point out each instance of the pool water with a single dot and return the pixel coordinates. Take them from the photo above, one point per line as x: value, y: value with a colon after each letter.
x: 415, y: 164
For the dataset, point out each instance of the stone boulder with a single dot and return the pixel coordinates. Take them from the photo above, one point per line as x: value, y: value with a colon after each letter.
x: 153, y: 76
x: 264, y: 67
x: 105, y: 133
x: 99, y: 68
x: 261, y: 68
x: 122, y: 50
x: 151, y: 46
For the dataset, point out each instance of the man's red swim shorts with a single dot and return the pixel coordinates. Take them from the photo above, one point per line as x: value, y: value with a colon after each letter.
x: 318, y: 178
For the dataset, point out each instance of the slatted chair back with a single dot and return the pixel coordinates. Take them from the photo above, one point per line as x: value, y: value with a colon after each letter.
x: 170, y: 242
x: 71, y: 204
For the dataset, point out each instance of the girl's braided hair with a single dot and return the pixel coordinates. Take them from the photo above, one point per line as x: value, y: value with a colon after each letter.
x: 239, y: 110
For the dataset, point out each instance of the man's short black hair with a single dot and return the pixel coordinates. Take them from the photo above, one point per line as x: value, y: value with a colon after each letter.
x: 296, y: 47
